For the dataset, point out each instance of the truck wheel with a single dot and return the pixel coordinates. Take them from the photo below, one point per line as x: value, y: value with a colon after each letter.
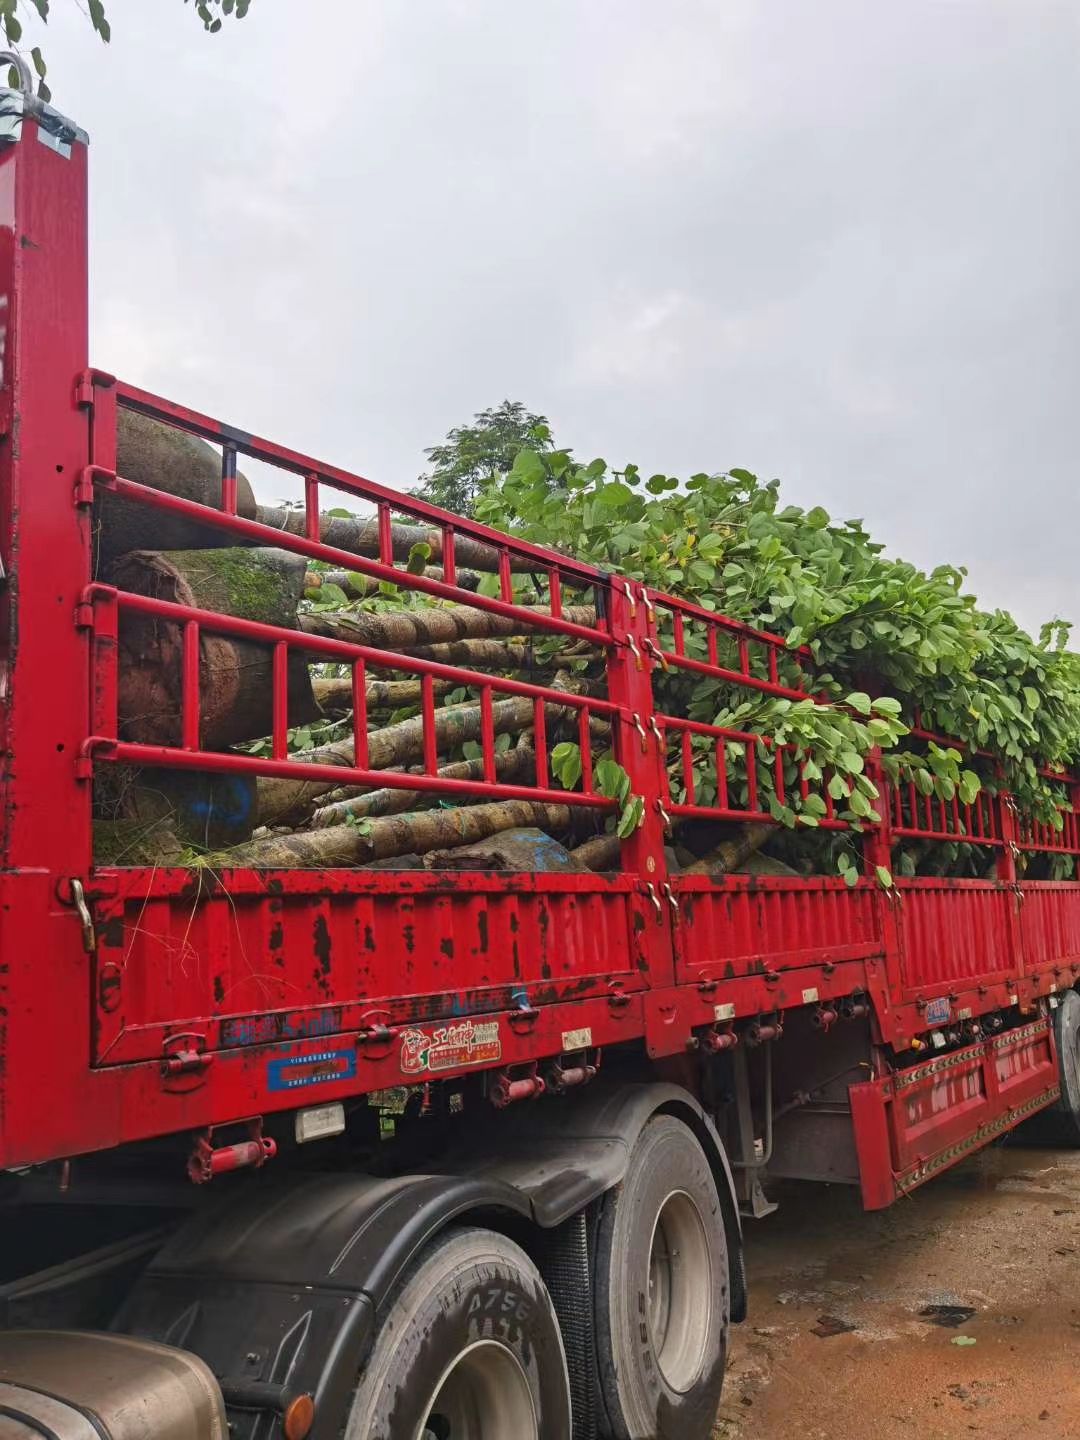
x: 1060, y: 1124
x: 469, y: 1349
x: 661, y: 1291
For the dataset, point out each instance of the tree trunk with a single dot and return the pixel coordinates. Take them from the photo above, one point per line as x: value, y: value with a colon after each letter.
x: 602, y: 852
x: 235, y: 690
x: 514, y: 765
x: 494, y: 656
x: 726, y: 857
x: 359, y: 534
x: 403, y: 629
x: 282, y: 800
x: 336, y: 695
x: 170, y: 460
x: 353, y: 583
x: 394, y: 835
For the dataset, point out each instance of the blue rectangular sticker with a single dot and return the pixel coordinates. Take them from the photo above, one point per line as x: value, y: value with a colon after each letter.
x: 938, y: 1011
x: 320, y: 1069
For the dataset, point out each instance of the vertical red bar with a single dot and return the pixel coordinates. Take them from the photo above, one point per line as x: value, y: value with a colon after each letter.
x: 449, y: 556
x: 688, y: 766
x: 506, y: 580
x: 555, y: 590
x: 540, y: 744
x: 721, y: 774
x: 750, y: 749
x: 359, y: 706
x: 679, y: 633
x: 190, y: 687
x: 427, y: 711
x: 830, y: 806
x: 487, y: 733
x: 898, y: 806
x: 955, y: 815
x: 774, y: 667
x: 311, y: 507
x: 280, y: 701
x: 228, y: 479
x: 386, y: 534
x: 779, y: 772
x: 585, y: 742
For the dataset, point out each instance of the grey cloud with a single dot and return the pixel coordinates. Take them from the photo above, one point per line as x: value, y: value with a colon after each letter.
x: 831, y: 242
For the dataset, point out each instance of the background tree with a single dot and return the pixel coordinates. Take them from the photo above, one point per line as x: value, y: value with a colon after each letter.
x: 212, y: 13
x: 474, y: 456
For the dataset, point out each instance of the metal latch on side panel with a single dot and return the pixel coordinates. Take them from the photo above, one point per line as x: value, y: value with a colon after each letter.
x: 184, y: 1060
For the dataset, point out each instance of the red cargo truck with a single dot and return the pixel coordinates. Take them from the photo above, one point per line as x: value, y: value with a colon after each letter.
x: 493, y: 1131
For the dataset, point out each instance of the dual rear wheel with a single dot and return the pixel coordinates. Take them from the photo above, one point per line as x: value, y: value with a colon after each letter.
x: 469, y: 1347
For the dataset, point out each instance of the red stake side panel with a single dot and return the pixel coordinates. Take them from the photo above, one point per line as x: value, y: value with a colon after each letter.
x: 254, y: 957
x: 917, y: 1122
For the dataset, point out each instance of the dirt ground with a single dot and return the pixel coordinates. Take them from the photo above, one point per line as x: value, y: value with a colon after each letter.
x: 836, y: 1346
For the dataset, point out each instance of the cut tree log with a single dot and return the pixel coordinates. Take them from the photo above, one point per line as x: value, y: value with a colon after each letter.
x: 494, y: 656
x: 362, y: 586
x: 359, y: 535
x: 393, y: 835
x: 518, y: 764
x: 282, y: 801
x: 726, y: 857
x: 336, y: 694
x: 529, y: 850
x: 602, y: 852
x: 402, y: 630
x: 170, y: 460
x: 235, y: 690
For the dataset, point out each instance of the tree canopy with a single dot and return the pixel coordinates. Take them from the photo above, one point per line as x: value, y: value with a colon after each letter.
x: 474, y: 457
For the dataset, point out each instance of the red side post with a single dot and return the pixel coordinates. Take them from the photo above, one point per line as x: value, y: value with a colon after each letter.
x: 45, y: 827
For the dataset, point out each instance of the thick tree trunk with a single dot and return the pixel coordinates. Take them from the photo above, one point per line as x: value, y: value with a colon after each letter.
x: 404, y: 629
x: 394, y: 835
x: 726, y: 857
x: 169, y: 460
x: 235, y: 691
x: 517, y: 765
x: 359, y: 534
x: 282, y: 800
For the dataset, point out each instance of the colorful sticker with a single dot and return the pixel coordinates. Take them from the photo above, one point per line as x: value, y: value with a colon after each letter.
x: 298, y: 1070
x: 466, y: 1042
x: 938, y: 1011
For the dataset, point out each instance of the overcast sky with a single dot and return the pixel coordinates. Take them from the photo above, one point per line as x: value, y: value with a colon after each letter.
x: 830, y: 240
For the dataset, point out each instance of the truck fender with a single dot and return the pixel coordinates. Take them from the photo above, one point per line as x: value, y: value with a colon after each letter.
x: 277, y: 1288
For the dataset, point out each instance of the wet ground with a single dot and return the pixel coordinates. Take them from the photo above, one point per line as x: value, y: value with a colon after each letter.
x: 955, y: 1313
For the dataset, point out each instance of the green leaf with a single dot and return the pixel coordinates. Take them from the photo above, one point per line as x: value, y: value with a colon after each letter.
x: 859, y: 701
x: 98, y: 20
x: 884, y: 877
x: 630, y: 818
x: 528, y: 468
x: 419, y: 555
x: 39, y: 61
x: 817, y: 518
x: 964, y: 1340
x: 566, y: 764
x: 1034, y: 700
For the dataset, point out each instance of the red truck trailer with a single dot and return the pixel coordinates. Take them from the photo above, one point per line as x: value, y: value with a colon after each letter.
x: 492, y: 1133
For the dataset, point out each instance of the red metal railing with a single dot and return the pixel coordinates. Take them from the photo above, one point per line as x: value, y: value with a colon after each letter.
x: 705, y: 770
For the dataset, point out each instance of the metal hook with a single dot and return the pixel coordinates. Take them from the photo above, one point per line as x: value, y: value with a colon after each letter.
x: 636, y: 720
x: 21, y: 68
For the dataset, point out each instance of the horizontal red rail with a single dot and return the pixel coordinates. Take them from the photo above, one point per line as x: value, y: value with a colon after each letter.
x: 130, y: 397
x: 252, y: 530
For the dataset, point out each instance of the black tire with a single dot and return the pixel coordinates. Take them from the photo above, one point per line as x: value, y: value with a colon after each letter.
x: 1060, y: 1124
x: 468, y: 1347
x: 661, y: 1291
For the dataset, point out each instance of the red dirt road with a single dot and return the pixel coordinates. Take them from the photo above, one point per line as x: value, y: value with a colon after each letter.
x: 999, y: 1235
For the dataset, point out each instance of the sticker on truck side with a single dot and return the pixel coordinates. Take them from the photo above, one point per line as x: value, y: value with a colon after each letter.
x: 938, y: 1012
x: 295, y: 1071
x: 449, y: 1047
